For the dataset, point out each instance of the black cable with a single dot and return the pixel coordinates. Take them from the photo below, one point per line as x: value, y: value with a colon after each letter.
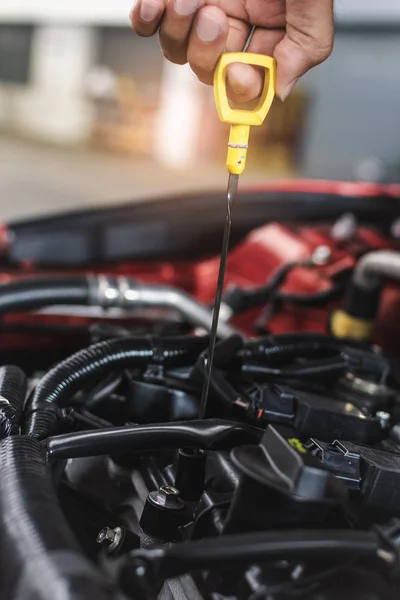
x: 240, y: 300
x: 86, y: 366
x: 278, y: 357
x: 206, y: 434
x: 241, y: 549
x: 313, y: 300
x: 39, y: 556
x: 198, y: 522
x: 277, y: 299
x: 313, y: 369
x: 289, y: 346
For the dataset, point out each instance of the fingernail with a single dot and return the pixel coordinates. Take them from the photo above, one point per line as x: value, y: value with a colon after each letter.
x: 288, y: 89
x: 149, y: 10
x: 208, y: 29
x: 186, y: 7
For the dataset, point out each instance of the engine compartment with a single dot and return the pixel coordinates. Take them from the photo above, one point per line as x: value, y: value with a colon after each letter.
x: 118, y: 483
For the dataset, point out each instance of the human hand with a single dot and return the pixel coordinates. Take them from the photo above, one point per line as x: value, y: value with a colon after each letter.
x: 297, y: 33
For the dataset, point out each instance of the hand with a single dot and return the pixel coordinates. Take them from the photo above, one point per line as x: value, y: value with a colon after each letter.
x: 298, y: 33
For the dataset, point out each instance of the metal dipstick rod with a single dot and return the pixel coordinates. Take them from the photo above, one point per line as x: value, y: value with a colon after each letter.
x: 233, y: 183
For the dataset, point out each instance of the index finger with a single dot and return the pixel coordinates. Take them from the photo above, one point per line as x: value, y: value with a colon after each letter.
x: 146, y: 16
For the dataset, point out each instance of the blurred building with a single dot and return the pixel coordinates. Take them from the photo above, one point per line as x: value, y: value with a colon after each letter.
x: 354, y: 116
x: 74, y: 73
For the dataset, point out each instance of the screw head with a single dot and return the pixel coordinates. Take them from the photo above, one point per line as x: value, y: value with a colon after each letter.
x: 110, y: 538
x: 166, y: 497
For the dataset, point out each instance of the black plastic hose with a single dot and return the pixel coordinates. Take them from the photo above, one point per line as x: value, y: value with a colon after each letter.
x: 242, y: 299
x: 286, y: 347
x: 13, y: 384
x: 87, y: 366
x: 33, y: 293
x: 39, y: 557
x: 317, y: 299
x: 206, y: 434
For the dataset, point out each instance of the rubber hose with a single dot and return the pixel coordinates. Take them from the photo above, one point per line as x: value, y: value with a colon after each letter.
x: 239, y: 549
x: 372, y: 268
x: 88, y: 365
x: 39, y: 556
x: 206, y: 434
x: 13, y: 384
x: 365, y: 289
x: 32, y: 293
x: 313, y: 300
x: 241, y: 299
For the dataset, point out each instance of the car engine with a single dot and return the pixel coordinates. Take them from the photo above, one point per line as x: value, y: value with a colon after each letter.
x: 118, y: 482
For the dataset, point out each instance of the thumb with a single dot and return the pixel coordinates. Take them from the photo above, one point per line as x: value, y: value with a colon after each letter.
x: 307, y: 43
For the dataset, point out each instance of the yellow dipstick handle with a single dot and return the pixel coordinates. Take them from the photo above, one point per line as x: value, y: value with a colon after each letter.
x: 241, y: 120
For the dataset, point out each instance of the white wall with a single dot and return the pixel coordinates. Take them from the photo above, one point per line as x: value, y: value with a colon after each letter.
x: 178, y: 117
x: 52, y: 107
x: 115, y: 12
x: 110, y: 12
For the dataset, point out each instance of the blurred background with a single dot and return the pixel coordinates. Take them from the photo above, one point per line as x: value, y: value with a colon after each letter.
x: 91, y: 114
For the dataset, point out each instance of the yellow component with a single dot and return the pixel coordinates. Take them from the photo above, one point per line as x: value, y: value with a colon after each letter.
x: 239, y: 119
x: 344, y: 325
x: 237, y: 149
x: 297, y: 445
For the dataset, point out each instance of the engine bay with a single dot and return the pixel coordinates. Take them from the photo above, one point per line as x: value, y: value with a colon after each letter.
x: 118, y: 482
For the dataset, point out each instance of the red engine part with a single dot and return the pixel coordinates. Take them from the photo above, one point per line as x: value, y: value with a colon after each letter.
x: 251, y: 264
x: 268, y: 248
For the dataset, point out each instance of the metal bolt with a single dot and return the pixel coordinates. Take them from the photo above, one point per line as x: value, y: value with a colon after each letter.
x: 110, y: 538
x: 384, y: 418
x: 167, y: 497
x: 321, y: 255
x: 344, y: 228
